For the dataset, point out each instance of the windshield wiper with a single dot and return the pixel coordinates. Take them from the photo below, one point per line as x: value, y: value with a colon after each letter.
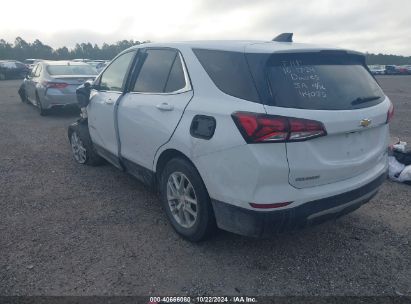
x: 364, y: 99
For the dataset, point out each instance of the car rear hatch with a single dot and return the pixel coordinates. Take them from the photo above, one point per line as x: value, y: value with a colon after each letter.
x: 333, y: 90
x: 67, y: 76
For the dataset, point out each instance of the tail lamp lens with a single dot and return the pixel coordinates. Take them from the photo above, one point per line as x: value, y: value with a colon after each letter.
x: 56, y: 85
x: 258, y: 128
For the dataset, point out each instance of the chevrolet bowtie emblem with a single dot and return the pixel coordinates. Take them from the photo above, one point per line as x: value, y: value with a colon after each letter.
x: 365, y: 122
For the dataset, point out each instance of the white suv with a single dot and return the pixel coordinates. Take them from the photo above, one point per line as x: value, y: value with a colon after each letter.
x: 251, y: 137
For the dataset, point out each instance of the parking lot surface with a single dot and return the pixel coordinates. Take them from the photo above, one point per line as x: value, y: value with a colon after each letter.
x: 67, y: 229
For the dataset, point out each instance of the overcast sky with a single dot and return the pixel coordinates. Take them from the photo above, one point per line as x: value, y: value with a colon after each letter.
x: 364, y: 25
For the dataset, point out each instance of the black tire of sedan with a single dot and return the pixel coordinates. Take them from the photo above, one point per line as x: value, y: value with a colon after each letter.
x: 82, y: 146
x: 42, y: 111
x: 186, y: 201
x: 22, y: 94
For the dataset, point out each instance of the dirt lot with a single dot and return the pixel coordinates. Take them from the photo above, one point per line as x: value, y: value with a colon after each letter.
x: 67, y: 229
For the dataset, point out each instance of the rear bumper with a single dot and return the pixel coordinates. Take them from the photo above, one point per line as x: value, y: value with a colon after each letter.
x: 260, y: 224
x: 55, y: 100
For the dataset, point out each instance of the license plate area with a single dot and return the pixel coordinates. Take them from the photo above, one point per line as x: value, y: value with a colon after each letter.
x: 355, y: 144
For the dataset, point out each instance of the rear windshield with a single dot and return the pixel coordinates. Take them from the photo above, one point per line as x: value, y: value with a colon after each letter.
x: 327, y: 82
x: 71, y: 70
x: 318, y: 81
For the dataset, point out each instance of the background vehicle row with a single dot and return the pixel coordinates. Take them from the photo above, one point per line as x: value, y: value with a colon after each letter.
x: 53, y: 84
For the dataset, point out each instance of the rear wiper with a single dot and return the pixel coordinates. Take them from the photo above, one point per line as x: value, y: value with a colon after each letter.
x: 364, y: 99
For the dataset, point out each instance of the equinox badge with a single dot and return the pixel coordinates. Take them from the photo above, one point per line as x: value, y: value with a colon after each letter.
x: 365, y: 122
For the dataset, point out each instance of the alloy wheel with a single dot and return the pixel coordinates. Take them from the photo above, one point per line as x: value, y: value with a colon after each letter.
x: 79, y: 151
x: 182, y: 199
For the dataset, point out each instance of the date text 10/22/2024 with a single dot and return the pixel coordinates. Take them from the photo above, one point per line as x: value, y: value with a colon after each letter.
x: 203, y: 299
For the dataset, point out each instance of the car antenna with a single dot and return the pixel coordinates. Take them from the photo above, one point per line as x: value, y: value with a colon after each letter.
x: 284, y: 37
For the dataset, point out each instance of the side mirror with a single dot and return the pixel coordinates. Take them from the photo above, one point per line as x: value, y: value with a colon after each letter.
x: 83, y: 94
x: 94, y: 87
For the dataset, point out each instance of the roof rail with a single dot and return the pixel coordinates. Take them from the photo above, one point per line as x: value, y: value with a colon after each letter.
x: 284, y: 37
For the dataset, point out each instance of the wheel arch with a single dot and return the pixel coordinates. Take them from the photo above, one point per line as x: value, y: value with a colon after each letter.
x: 70, y: 130
x: 168, y: 155
x: 74, y: 125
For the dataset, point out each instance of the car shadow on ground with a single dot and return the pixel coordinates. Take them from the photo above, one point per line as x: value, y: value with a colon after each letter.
x: 64, y: 112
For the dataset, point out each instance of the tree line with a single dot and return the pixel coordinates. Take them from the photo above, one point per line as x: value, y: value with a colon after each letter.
x: 384, y: 59
x: 21, y: 49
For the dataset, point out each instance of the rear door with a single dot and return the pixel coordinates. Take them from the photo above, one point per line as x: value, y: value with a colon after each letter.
x: 149, y: 113
x: 102, y: 106
x: 337, y: 90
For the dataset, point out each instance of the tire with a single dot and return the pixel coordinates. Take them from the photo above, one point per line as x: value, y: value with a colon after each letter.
x: 180, y: 211
x: 42, y: 111
x: 82, y: 146
x: 22, y: 94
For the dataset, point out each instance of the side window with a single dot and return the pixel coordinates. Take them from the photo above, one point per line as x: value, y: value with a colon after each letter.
x: 33, y: 70
x: 114, y: 76
x: 161, y: 72
x: 38, y: 71
x: 230, y: 72
x: 176, y: 80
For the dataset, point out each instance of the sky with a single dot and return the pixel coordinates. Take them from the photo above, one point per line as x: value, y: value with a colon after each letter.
x: 375, y: 26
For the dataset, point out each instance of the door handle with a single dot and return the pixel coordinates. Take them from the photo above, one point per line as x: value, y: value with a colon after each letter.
x: 165, y: 106
x: 109, y: 101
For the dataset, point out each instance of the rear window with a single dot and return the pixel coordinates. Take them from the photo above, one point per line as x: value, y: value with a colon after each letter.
x: 229, y: 72
x: 321, y: 82
x: 71, y: 70
x: 325, y: 80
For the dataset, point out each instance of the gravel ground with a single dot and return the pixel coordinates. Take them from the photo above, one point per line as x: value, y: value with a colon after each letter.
x: 67, y: 229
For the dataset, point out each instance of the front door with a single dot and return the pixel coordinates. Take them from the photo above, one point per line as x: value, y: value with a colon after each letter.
x: 103, y: 99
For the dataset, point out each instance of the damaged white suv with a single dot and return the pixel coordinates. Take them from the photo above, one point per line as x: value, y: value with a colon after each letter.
x: 251, y: 137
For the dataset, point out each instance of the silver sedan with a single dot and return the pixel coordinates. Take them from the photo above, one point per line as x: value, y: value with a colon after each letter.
x: 53, y: 83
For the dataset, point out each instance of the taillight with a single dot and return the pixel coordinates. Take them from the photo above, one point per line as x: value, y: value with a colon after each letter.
x: 390, y: 113
x: 259, y: 128
x: 302, y: 129
x: 55, y: 85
